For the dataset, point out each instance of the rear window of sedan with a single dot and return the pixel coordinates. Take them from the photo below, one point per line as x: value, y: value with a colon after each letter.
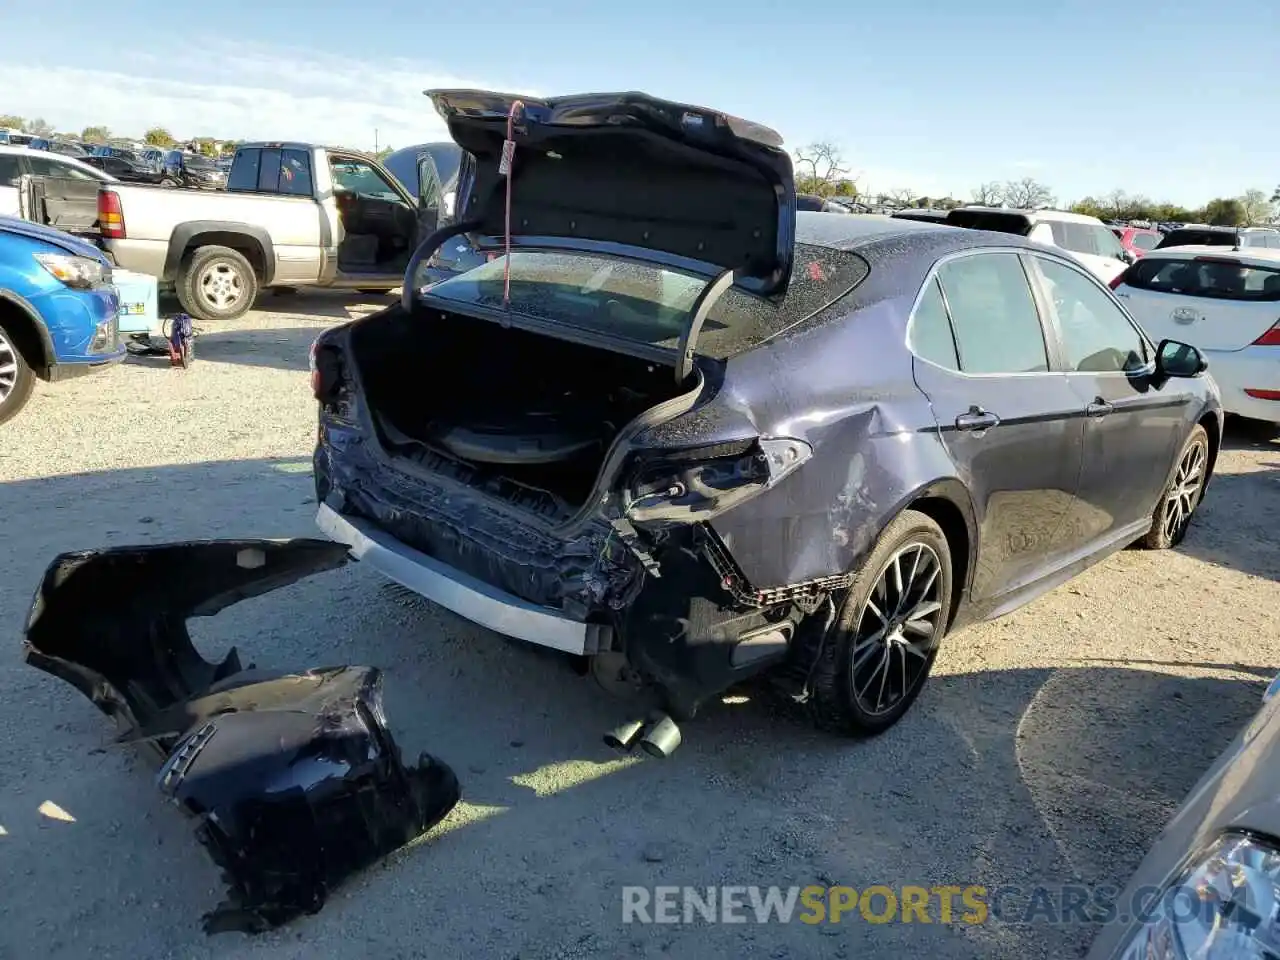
x: 648, y: 304
x: 1015, y: 223
x: 1218, y: 278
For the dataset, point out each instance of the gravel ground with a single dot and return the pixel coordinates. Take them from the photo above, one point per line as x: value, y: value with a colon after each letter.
x: 1049, y: 747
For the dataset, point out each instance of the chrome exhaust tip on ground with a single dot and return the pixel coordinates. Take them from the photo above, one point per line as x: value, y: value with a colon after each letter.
x: 624, y: 736
x: 661, y: 738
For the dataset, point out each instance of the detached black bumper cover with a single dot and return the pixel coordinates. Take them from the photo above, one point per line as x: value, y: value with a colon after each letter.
x: 293, y: 777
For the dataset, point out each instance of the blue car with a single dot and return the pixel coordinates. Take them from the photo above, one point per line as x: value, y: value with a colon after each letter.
x: 58, y: 310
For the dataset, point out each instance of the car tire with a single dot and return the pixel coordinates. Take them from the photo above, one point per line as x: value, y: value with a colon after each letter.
x: 16, y: 384
x: 1172, y: 514
x: 908, y: 571
x: 217, y: 283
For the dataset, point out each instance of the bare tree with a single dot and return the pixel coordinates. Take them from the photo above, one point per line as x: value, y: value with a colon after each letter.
x: 819, y: 167
x: 1257, y: 208
x: 1027, y: 194
x: 990, y: 194
x: 901, y: 196
x: 38, y: 127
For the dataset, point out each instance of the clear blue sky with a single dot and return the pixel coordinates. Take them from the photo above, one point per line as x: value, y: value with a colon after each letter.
x: 1174, y: 100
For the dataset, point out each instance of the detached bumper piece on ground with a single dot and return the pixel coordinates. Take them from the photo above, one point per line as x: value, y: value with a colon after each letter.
x: 293, y: 777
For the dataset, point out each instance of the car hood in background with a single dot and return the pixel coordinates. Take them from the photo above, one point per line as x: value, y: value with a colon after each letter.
x: 36, y: 231
x: 631, y: 175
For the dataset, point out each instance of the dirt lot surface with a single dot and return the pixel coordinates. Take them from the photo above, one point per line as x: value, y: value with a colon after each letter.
x: 1049, y: 747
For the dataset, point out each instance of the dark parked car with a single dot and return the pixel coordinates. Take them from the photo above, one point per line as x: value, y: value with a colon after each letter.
x: 127, y: 170
x: 192, y: 170
x: 407, y: 166
x: 696, y: 436
x: 815, y: 204
x: 1203, y: 236
x: 922, y: 215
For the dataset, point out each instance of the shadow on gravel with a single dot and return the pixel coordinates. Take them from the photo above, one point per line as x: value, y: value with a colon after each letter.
x: 284, y: 348
x: 1016, y: 777
x: 323, y: 304
x: 1237, y: 525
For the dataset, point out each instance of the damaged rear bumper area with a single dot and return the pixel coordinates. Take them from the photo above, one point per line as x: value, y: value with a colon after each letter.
x: 293, y: 778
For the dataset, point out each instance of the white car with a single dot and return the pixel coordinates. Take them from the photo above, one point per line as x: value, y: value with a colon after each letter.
x: 1224, y: 302
x: 16, y: 161
x: 1088, y: 239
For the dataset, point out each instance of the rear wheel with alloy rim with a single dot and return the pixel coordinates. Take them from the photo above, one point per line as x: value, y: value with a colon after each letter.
x: 1172, y: 515
x: 16, y: 378
x: 876, y: 657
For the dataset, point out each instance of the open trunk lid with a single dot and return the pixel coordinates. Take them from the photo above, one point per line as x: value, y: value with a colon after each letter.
x: 628, y: 175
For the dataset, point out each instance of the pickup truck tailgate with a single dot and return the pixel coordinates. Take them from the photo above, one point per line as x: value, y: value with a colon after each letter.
x: 65, y: 203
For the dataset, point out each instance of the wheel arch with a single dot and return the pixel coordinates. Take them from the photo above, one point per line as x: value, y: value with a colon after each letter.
x: 1213, y: 427
x: 949, y: 505
x: 252, y: 241
x: 33, y: 336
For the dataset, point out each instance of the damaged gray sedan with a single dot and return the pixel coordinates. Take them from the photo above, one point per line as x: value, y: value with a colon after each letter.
x: 677, y: 428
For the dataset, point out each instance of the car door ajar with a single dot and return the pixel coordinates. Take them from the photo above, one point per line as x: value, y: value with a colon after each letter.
x: 1012, y: 425
x: 1134, y: 425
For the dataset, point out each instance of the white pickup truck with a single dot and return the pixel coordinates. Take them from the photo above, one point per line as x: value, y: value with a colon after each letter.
x: 292, y: 215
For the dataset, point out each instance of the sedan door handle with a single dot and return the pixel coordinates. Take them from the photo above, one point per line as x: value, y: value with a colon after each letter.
x: 977, y: 419
x: 1099, y: 408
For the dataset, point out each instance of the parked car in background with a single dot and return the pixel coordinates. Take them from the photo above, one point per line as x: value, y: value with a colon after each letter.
x: 1203, y: 235
x: 1087, y: 238
x: 107, y: 150
x: 1137, y: 240
x: 1226, y: 302
x: 126, y: 171
x: 15, y: 162
x: 293, y: 215
x: 58, y: 310
x: 191, y: 170
x: 816, y: 204
x: 407, y: 166
x: 68, y: 148
x: 1207, y: 887
x: 803, y: 450
x: 921, y: 215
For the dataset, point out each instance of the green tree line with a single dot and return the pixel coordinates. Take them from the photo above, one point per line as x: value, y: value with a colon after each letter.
x: 156, y: 136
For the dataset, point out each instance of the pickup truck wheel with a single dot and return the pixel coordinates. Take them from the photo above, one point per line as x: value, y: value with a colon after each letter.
x: 16, y: 378
x: 217, y: 283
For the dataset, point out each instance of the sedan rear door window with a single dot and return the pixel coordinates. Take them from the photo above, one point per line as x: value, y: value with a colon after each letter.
x: 997, y: 326
x: 931, y: 337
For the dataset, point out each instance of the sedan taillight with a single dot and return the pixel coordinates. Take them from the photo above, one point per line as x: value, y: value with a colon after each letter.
x: 1271, y: 338
x: 1118, y: 279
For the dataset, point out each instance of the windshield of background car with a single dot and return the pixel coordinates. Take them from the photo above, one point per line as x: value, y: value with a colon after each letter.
x: 648, y: 304
x: 1014, y: 223
x: 1219, y: 279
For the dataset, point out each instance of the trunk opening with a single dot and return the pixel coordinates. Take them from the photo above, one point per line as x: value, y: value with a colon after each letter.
x: 520, y: 414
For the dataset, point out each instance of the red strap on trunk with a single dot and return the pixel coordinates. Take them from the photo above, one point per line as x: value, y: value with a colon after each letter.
x: 508, y: 163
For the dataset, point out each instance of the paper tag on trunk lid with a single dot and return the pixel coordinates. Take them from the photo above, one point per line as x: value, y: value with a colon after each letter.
x: 508, y: 153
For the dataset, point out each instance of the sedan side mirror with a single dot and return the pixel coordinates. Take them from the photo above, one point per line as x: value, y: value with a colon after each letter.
x: 1128, y: 256
x: 1175, y: 359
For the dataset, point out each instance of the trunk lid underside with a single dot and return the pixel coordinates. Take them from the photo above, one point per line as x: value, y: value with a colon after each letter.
x: 631, y: 175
